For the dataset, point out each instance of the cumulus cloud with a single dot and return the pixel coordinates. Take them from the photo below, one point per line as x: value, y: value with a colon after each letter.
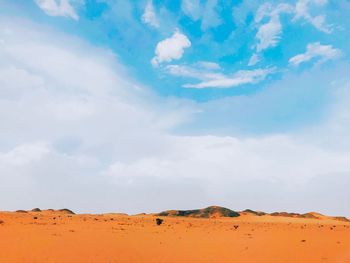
x: 212, y: 79
x: 171, y: 48
x: 57, y: 8
x: 149, y: 16
x: 318, y: 51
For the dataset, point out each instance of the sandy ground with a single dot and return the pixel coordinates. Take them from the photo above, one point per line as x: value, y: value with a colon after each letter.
x: 53, y: 237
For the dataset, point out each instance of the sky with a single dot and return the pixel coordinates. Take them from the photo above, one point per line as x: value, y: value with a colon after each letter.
x: 142, y: 106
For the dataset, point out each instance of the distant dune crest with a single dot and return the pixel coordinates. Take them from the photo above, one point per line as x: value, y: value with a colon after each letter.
x: 38, y: 210
x: 218, y: 211
x: 209, y: 212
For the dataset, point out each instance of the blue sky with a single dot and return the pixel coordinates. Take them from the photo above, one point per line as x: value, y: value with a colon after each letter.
x: 227, y: 33
x: 205, y: 95
x: 222, y: 37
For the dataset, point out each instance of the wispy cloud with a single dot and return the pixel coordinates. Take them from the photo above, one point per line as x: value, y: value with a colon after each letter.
x: 208, y: 65
x: 206, y: 12
x: 210, y: 17
x: 270, y: 28
x: 268, y: 34
x: 254, y: 59
x: 57, y: 8
x: 316, y: 50
x: 192, y: 8
x: 319, y: 21
x: 214, y: 79
x: 149, y: 16
x: 171, y: 48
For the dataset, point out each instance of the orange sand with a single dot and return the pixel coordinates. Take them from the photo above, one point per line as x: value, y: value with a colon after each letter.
x: 116, y: 238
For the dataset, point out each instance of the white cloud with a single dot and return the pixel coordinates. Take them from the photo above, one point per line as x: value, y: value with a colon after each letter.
x: 24, y: 154
x: 240, y: 78
x: 15, y: 81
x: 79, y: 150
x: 57, y: 8
x: 192, y: 72
x: 210, y: 156
x: 302, y: 11
x: 64, y: 87
x: 241, y: 11
x: 228, y: 167
x: 316, y: 50
x: 171, y: 48
x: 149, y: 16
x: 268, y: 34
x: 206, y: 12
x: 210, y: 17
x: 254, y: 59
x: 212, y: 79
x: 192, y: 8
x: 208, y: 65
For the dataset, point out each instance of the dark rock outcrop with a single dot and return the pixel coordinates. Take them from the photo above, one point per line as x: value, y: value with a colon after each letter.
x: 209, y: 212
x: 257, y: 213
x: 66, y: 211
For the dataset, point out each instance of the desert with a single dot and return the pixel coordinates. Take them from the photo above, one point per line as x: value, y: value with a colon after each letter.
x: 205, y: 235
x: 174, y: 131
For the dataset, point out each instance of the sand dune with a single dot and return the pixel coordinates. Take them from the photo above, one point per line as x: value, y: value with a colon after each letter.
x: 60, y: 236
